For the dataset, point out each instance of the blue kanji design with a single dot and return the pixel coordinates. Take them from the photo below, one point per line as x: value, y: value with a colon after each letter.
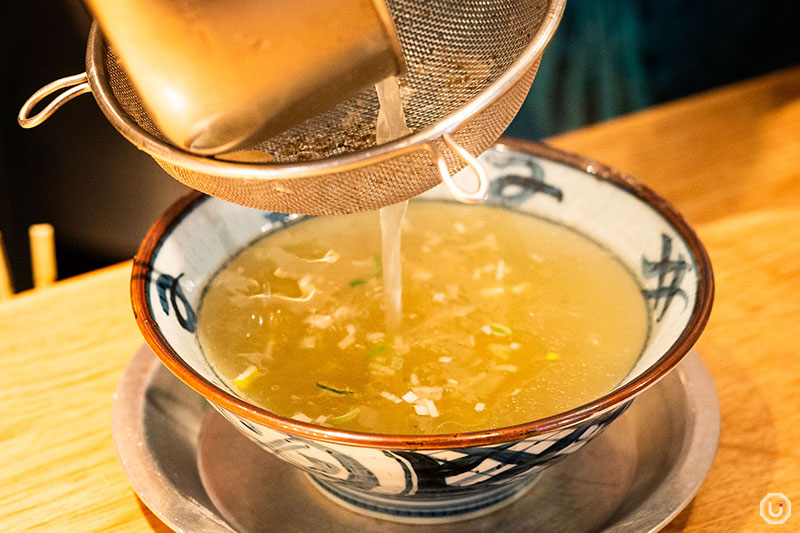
x: 513, y: 189
x: 427, y: 474
x: 277, y: 218
x: 169, y: 293
x: 357, y: 474
x: 432, y: 473
x: 668, y: 286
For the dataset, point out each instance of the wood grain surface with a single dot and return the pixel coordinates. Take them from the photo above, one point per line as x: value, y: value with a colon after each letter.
x: 729, y: 160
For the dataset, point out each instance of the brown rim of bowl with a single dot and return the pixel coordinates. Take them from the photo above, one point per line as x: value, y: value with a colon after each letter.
x: 616, y: 398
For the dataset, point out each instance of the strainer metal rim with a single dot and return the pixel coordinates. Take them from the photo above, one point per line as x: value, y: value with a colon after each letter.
x: 98, y: 81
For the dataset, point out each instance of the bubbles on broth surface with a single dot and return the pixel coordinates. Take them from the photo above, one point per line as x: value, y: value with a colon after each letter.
x: 506, y: 318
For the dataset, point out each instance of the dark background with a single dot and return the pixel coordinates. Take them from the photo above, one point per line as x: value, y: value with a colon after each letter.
x: 608, y: 57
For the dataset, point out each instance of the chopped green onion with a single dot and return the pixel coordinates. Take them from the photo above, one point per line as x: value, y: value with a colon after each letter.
x: 357, y: 282
x: 522, y: 287
x: 378, y: 265
x: 492, y: 291
x: 375, y: 337
x: 421, y: 410
x: 410, y: 397
x: 391, y: 397
x: 500, y: 330
x: 376, y: 350
x: 246, y: 378
x: 319, y: 321
x: 432, y: 410
x: 333, y: 390
x: 345, y: 342
x: 308, y: 342
x: 347, y: 417
x: 500, y: 350
x: 430, y: 393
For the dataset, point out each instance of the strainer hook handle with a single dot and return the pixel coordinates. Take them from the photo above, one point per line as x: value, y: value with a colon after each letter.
x: 72, y: 86
x: 460, y: 194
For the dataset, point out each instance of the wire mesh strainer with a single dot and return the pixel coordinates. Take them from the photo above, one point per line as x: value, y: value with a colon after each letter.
x: 470, y: 66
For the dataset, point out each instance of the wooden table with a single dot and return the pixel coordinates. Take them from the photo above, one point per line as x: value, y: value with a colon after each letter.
x: 728, y: 159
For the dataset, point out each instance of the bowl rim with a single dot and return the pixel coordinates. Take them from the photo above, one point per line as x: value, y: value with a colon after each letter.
x: 219, y: 397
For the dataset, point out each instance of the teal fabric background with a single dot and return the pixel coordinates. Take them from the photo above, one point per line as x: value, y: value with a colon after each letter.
x: 611, y: 57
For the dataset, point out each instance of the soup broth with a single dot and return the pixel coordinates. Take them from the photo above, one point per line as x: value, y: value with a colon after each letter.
x: 507, y: 318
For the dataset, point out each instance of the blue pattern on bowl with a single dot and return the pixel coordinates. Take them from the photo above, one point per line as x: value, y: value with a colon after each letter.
x: 426, y: 484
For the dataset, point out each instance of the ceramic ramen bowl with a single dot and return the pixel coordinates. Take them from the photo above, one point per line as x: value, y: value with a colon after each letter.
x: 444, y: 477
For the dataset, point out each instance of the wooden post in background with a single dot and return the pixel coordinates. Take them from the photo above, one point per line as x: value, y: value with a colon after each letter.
x: 43, y: 255
x: 6, y: 289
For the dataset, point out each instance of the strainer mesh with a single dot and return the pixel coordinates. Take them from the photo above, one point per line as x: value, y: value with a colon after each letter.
x: 454, y: 50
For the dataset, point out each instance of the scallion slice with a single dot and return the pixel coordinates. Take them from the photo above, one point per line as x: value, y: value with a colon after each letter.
x: 347, y: 417
x: 376, y: 350
x: 333, y: 389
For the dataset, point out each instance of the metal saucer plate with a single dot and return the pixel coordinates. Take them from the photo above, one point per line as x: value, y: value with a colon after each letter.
x: 197, y: 473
